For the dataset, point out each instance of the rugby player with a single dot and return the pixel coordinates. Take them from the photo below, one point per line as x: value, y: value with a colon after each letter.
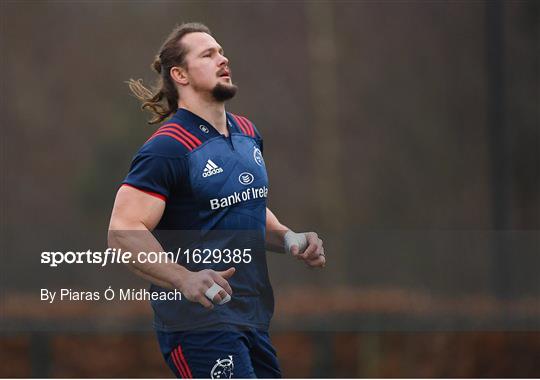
x: 203, y: 170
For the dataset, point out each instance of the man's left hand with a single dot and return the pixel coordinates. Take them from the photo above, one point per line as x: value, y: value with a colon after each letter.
x: 313, y: 254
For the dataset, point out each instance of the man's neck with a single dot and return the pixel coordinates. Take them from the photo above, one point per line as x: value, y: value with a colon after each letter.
x: 211, y: 111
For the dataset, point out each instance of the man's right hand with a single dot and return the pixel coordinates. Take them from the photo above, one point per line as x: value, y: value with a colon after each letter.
x: 194, y: 285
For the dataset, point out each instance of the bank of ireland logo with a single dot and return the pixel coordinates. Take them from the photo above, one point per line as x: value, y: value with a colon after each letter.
x: 223, y: 369
x: 204, y: 128
x: 245, y: 178
x: 257, y: 156
x: 210, y: 169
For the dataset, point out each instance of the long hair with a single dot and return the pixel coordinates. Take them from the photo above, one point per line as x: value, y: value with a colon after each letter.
x: 163, y: 101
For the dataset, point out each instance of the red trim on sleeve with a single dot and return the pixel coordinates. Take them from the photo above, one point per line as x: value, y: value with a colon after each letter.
x: 157, y: 195
x: 249, y: 126
x: 240, y: 124
x: 177, y: 138
x: 176, y: 132
x: 182, y: 130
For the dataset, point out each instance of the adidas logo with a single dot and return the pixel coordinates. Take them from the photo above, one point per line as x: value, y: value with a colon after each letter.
x: 211, y: 169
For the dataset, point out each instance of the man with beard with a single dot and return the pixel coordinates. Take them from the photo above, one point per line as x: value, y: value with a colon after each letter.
x: 203, y: 171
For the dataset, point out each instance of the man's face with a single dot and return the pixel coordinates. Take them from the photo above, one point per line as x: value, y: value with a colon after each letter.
x: 207, y: 67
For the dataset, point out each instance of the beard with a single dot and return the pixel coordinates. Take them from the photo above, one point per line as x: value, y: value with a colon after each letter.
x: 222, y: 92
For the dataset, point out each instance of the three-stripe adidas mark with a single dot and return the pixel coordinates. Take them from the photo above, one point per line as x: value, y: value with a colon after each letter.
x: 210, y: 169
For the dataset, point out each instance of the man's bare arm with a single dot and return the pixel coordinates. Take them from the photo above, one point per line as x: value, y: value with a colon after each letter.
x: 275, y: 232
x: 135, y: 214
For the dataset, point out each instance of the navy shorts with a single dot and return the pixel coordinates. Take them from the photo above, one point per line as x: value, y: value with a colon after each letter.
x: 220, y: 354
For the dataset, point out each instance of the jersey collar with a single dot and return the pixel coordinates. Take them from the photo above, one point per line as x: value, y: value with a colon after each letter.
x: 202, y: 128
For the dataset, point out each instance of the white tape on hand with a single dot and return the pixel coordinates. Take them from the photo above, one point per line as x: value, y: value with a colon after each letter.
x: 292, y: 238
x: 213, y: 290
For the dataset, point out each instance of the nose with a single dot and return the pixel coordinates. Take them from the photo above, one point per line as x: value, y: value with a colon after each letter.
x: 224, y: 61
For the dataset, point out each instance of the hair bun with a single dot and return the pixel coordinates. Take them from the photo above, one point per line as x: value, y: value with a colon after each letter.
x: 156, y: 65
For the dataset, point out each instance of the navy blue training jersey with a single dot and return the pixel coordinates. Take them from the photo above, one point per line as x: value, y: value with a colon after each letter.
x: 215, y: 187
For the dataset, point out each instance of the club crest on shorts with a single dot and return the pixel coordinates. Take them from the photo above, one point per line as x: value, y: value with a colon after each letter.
x: 223, y: 369
x: 257, y: 156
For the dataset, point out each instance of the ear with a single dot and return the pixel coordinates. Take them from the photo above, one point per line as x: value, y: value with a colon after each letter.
x: 179, y: 75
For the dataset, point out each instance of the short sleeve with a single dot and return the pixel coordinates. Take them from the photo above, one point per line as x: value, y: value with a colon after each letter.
x: 155, y: 174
